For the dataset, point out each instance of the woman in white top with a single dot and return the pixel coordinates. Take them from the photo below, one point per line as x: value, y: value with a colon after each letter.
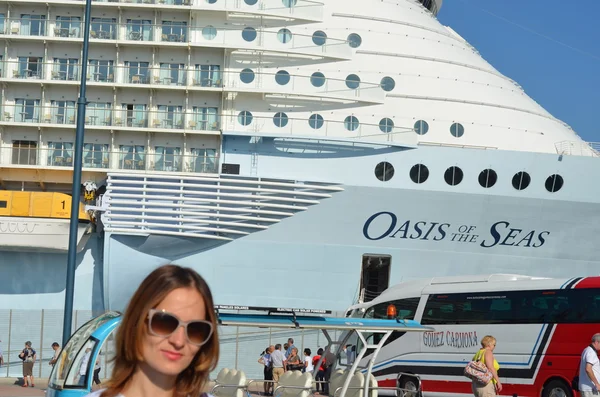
x: 308, y: 364
x: 166, y: 345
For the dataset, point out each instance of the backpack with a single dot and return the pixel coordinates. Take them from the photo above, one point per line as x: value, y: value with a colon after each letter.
x: 477, y: 371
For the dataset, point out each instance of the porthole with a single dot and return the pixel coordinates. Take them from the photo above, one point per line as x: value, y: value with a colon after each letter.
x: 354, y: 40
x: 387, y: 84
x: 421, y: 127
x: 554, y: 183
x: 317, y: 79
x: 384, y: 171
x: 319, y: 37
x: 280, y: 119
x: 488, y: 178
x: 419, y: 173
x: 247, y: 76
x: 386, y: 125
x: 453, y: 176
x: 284, y: 35
x: 315, y: 121
x: 249, y: 34
x: 521, y: 180
x: 289, y: 3
x: 250, y: 2
x: 211, y: 1
x: 352, y: 81
x: 209, y: 32
x: 282, y: 77
x: 457, y: 130
x: 245, y: 117
x: 351, y: 123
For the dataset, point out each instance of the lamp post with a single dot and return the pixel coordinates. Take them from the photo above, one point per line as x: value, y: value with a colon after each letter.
x: 76, y: 189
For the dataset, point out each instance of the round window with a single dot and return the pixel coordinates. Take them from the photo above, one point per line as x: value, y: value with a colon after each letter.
x: 209, y: 32
x: 250, y: 2
x: 488, y: 178
x: 315, y: 121
x: 247, y: 76
x: 421, y: 127
x: 419, y: 173
x: 554, y: 183
x: 387, y: 84
x: 384, y: 171
x: 282, y: 77
x: 211, y: 1
x: 386, y: 125
x: 352, y: 81
x: 284, y: 35
x: 249, y: 34
x: 289, y: 3
x: 457, y: 130
x: 354, y: 40
x: 317, y: 79
x: 245, y: 117
x: 351, y: 123
x: 280, y: 119
x: 319, y: 37
x: 521, y: 180
x: 453, y: 176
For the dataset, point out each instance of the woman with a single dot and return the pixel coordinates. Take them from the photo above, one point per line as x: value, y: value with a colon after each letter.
x: 308, y: 365
x: 167, y: 344
x: 485, y: 355
x: 265, y: 360
x: 293, y: 362
x: 28, y: 356
x: 320, y: 371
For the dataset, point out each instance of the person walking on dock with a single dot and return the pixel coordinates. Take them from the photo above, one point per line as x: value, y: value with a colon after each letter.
x: 28, y: 356
x: 589, y: 369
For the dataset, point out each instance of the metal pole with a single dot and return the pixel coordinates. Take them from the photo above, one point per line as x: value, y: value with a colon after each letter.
x: 76, y: 188
x: 8, y: 347
x: 41, y: 346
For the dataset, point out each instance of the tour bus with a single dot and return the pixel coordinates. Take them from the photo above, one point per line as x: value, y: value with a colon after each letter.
x: 541, y: 326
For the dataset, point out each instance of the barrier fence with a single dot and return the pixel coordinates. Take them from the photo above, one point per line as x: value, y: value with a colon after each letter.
x: 240, y: 346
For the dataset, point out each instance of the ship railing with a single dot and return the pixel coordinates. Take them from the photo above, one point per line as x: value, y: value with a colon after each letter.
x: 162, y: 117
x: 578, y: 148
x: 97, y: 156
x: 425, y: 143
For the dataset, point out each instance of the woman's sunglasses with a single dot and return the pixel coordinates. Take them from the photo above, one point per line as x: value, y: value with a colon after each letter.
x: 164, y: 324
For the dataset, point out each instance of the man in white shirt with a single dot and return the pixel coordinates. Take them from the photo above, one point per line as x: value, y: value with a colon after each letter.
x: 589, y: 369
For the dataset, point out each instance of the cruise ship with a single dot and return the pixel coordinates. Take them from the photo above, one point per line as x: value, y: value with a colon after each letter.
x: 297, y: 153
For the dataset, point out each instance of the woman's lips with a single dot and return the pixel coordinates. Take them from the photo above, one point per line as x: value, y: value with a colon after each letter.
x: 171, y: 355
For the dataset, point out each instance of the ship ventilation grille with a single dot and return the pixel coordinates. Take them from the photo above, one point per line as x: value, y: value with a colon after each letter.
x: 219, y: 208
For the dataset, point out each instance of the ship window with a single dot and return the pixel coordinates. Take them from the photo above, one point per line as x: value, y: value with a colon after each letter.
x: 521, y: 180
x: 209, y: 32
x: 211, y: 1
x: 289, y: 3
x: 284, y: 35
x: 354, y: 40
x: 245, y: 117
x: 554, y: 183
x: 386, y: 125
x: 453, y: 176
x: 247, y: 76
x: 282, y: 77
x: 419, y: 173
x: 280, y: 119
x: 352, y: 81
x: 250, y: 2
x: 3, y: 204
x: 24, y: 152
x: 421, y: 127
x: 384, y: 171
x: 317, y: 79
x: 457, y: 130
x: 315, y: 121
x: 351, y: 123
x: 319, y: 37
x: 249, y: 33
x: 488, y: 178
x: 387, y: 83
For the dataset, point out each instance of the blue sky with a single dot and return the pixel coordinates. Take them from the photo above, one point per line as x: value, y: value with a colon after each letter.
x: 563, y: 78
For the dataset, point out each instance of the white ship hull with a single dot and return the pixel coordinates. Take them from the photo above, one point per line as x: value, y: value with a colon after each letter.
x: 24, y: 234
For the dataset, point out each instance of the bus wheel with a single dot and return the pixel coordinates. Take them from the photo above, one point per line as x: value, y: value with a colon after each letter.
x: 557, y: 388
x: 410, y: 385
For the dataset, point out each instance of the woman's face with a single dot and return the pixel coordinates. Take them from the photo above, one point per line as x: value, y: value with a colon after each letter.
x: 492, y: 345
x: 172, y: 354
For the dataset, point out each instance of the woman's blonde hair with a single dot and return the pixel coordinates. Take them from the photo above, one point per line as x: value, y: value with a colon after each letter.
x: 134, y: 328
x: 487, y: 340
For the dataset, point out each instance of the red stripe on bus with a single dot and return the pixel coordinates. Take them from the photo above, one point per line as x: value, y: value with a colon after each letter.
x: 589, y: 282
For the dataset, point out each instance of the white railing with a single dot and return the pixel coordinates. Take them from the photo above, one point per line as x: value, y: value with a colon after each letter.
x: 578, y: 148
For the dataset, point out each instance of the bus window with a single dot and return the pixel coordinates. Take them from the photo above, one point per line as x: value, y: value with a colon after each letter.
x: 405, y: 309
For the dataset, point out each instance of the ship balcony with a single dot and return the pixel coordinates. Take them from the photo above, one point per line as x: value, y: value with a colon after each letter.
x: 173, y: 34
x: 97, y: 157
x: 28, y: 112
